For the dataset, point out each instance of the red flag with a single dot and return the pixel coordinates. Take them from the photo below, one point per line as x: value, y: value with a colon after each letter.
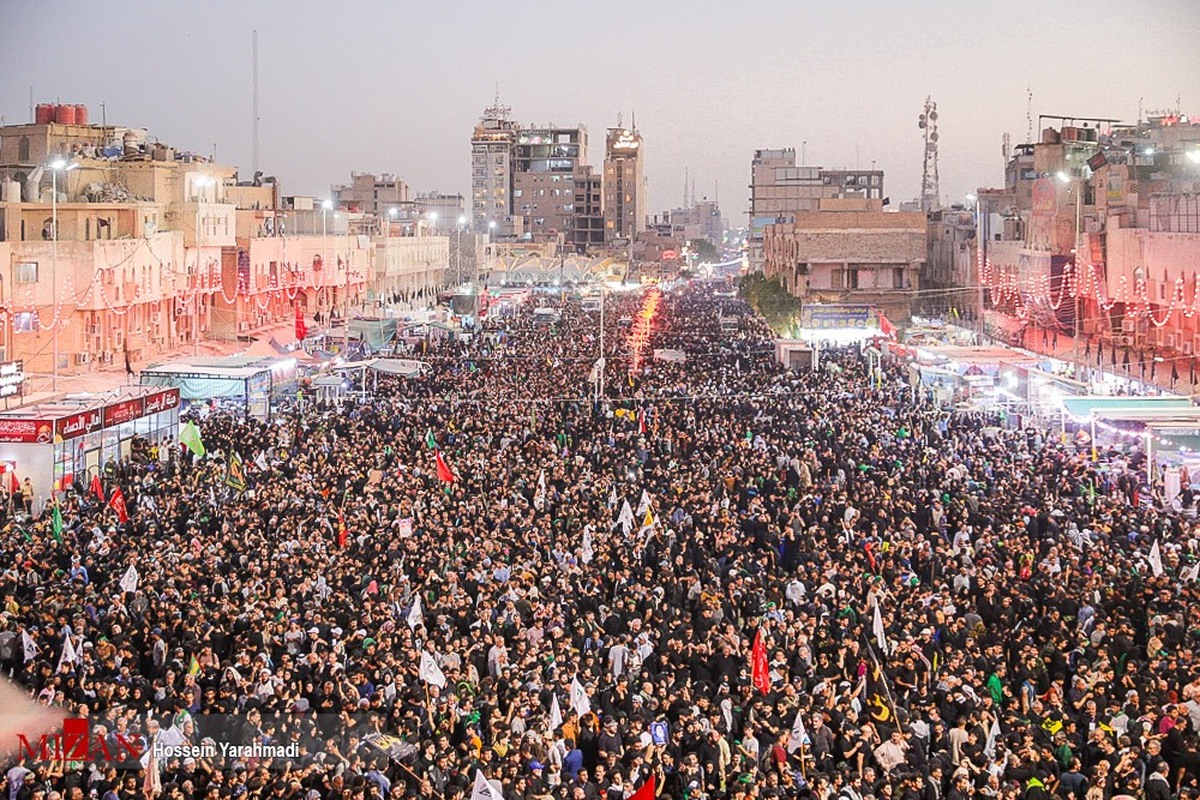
x: 886, y: 327
x: 758, y: 664
x: 14, y: 483
x: 301, y: 328
x: 98, y: 487
x: 645, y: 791
x: 341, y: 530
x: 444, y: 472
x: 117, y: 504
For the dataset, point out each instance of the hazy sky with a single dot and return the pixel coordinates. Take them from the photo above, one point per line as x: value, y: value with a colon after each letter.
x: 397, y: 86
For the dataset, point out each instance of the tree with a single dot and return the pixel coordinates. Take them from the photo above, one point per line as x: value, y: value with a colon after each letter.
x: 770, y: 299
x: 704, y: 250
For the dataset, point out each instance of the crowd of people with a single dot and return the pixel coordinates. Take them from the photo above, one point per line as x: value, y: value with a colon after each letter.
x: 731, y: 579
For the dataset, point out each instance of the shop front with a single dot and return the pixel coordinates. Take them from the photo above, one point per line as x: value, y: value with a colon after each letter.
x: 68, y: 441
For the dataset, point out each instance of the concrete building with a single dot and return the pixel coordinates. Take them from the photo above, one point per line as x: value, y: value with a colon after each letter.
x: 1100, y: 234
x: 545, y: 162
x: 371, y: 194
x: 588, y: 231
x: 624, y: 185
x: 780, y: 189
x: 702, y: 220
x: 445, y: 210
x: 949, y: 282
x: 492, y: 170
x: 850, y: 250
x: 160, y: 250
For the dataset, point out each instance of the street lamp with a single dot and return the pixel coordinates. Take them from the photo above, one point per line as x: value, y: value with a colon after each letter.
x: 462, y: 220
x: 1064, y: 178
x: 202, y: 182
x: 56, y: 166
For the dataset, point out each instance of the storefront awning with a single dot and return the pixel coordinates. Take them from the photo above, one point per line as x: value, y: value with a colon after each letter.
x: 1106, y: 407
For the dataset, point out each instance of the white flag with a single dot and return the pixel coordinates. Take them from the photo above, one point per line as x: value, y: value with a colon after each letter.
x: 1156, y: 567
x: 485, y: 789
x: 430, y: 672
x: 539, y: 497
x: 1193, y: 574
x: 28, y: 648
x: 625, y: 519
x: 580, y: 703
x: 877, y: 629
x: 68, y: 654
x: 415, y: 617
x: 556, y: 718
x: 644, y: 503
x: 612, y: 498
x: 129, y: 581
x: 799, y: 736
x: 989, y: 749
x: 260, y: 461
x: 586, y: 554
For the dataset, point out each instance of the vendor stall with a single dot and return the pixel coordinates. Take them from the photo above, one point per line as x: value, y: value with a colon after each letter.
x: 245, y: 382
x: 56, y: 444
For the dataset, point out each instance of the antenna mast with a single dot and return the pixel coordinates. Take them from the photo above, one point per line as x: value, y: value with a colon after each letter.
x: 254, y: 121
x: 929, y: 172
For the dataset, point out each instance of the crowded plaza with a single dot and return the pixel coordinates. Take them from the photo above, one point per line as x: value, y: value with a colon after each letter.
x: 551, y: 565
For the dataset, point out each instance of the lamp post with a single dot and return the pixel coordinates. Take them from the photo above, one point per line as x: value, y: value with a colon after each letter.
x: 202, y: 182
x: 326, y: 206
x: 56, y: 166
x: 1063, y: 177
x: 462, y: 220
x: 387, y: 254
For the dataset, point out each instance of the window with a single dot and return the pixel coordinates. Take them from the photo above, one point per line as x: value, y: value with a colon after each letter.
x: 897, y: 277
x: 26, y: 272
x: 23, y: 149
x: 25, y: 322
x: 837, y: 279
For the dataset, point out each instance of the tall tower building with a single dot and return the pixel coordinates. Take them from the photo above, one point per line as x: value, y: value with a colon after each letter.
x: 492, y: 169
x: 624, y: 185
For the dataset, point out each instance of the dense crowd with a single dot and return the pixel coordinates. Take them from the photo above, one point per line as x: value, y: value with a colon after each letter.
x: 946, y: 607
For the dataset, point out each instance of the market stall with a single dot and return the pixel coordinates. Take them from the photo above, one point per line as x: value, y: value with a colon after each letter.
x: 54, y: 444
x: 245, y: 382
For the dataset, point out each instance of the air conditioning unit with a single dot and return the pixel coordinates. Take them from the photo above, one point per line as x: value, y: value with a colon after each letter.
x: 1127, y: 324
x: 83, y: 358
x: 106, y: 357
x: 1125, y: 340
x: 243, y: 327
x: 1188, y: 349
x: 155, y: 318
x: 1168, y: 339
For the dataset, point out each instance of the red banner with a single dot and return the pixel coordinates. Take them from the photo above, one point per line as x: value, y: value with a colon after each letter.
x: 163, y: 401
x: 26, y: 430
x: 79, y: 424
x: 124, y: 411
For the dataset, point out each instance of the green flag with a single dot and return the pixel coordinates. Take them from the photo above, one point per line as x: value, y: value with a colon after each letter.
x: 430, y: 441
x: 189, y: 437
x: 57, y: 524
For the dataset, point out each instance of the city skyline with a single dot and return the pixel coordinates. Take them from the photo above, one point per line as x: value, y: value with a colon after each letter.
x: 843, y: 85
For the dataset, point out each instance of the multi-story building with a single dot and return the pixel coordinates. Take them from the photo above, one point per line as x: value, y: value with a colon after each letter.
x: 545, y: 161
x: 444, y: 210
x: 780, y: 189
x: 492, y: 171
x: 1098, y: 232
x: 702, y: 220
x: 624, y: 185
x: 850, y: 250
x: 160, y: 250
x: 372, y: 194
x: 588, y: 231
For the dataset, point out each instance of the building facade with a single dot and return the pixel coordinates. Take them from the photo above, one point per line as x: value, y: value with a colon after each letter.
x: 159, y: 250
x: 850, y: 250
x: 624, y: 185
x: 779, y: 189
x: 492, y: 170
